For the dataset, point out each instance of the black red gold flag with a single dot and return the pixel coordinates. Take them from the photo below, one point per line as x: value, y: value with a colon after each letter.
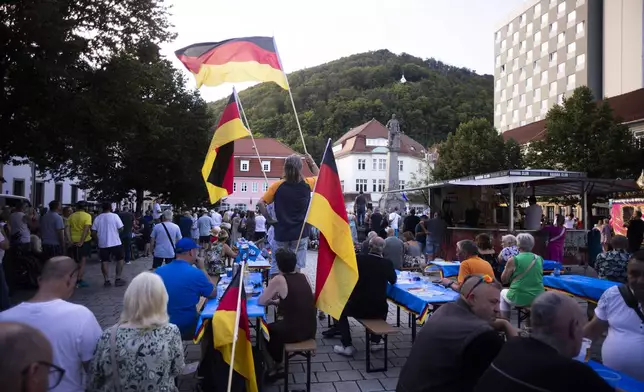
x: 234, y: 60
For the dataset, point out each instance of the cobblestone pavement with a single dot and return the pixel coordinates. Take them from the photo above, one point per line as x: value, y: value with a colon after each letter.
x: 329, y: 372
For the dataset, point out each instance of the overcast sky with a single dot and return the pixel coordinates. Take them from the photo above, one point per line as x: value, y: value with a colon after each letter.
x: 309, y: 33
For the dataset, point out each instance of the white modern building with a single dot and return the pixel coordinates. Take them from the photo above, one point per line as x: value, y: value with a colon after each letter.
x: 361, y: 158
x: 17, y: 180
x: 547, y: 48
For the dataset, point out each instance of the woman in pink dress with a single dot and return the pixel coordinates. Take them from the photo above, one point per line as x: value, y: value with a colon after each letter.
x: 556, y: 239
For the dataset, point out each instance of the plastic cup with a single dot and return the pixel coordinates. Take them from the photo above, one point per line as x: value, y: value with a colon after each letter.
x: 611, y: 377
x: 229, y: 272
x: 584, y: 351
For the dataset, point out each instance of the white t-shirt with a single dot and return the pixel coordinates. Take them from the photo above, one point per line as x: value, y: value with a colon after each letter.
x: 162, y: 246
x: 533, y: 217
x: 569, y: 223
x: 205, y: 225
x: 107, y: 226
x: 156, y: 211
x: 216, y: 219
x: 623, y: 349
x: 72, y: 331
x: 393, y: 220
x: 260, y: 224
x: 18, y: 225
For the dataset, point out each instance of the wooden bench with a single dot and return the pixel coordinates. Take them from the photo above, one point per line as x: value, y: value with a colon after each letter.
x: 305, y: 349
x: 523, y: 313
x: 375, y: 327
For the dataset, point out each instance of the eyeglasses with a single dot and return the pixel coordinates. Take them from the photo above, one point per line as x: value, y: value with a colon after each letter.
x: 482, y: 279
x: 56, y: 373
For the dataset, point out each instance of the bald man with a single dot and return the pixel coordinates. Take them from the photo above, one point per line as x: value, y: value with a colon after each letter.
x: 73, y: 328
x: 26, y: 358
x: 544, y: 361
x: 458, y: 342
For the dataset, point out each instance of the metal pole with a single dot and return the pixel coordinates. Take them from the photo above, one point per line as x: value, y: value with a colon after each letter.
x: 33, y: 185
x: 584, y: 205
x: 511, y: 207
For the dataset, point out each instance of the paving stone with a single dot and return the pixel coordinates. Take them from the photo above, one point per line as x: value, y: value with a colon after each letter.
x: 317, y: 367
x: 346, y: 386
x: 389, y: 383
x: 329, y: 376
x: 371, y: 375
x: 301, y: 378
x: 332, y: 366
x: 370, y: 385
x: 322, y: 387
x: 349, y: 375
x: 393, y: 372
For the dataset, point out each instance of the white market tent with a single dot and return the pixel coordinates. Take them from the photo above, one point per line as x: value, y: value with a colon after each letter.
x: 538, y: 182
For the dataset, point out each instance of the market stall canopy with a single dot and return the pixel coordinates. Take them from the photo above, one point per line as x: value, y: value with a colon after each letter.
x: 540, y: 182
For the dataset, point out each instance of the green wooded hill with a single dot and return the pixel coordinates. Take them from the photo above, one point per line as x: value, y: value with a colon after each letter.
x: 334, y: 97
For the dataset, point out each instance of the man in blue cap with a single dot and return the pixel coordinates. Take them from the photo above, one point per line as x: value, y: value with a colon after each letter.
x: 185, y: 285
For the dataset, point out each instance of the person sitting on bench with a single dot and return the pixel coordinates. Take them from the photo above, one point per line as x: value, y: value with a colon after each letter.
x: 369, y: 297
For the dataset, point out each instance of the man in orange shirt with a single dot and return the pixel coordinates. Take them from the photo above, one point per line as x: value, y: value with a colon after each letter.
x: 471, y: 264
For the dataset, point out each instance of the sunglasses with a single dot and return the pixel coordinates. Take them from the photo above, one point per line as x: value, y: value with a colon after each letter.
x: 56, y: 373
x: 487, y: 279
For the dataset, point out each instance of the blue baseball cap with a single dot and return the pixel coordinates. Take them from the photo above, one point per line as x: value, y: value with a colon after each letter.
x: 185, y: 245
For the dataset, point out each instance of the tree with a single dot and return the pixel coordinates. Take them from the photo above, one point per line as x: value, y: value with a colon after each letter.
x: 51, y: 51
x: 334, y: 97
x: 424, y: 175
x: 579, y: 133
x: 475, y: 148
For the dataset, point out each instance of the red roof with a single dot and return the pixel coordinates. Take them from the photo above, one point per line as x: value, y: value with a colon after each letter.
x: 356, y: 140
x: 271, y: 150
x: 628, y: 107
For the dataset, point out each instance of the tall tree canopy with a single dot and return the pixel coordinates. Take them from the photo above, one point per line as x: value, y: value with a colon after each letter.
x: 334, y: 97
x: 584, y: 135
x: 475, y: 148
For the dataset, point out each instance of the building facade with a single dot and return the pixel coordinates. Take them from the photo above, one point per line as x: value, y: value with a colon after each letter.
x: 547, y: 48
x: 249, y: 183
x: 361, y: 158
x: 18, y: 181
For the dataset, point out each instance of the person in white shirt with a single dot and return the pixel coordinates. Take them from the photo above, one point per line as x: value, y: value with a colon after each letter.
x: 216, y: 218
x: 533, y: 215
x: 205, y: 225
x: 570, y: 222
x: 260, y: 227
x: 72, y: 329
x: 394, y: 221
x: 5, y: 303
x: 623, y: 349
x: 106, y: 230
x: 156, y: 211
x: 164, y: 236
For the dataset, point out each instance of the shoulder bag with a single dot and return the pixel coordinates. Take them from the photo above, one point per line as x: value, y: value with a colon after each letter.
x: 116, y: 379
x: 522, y: 274
x: 174, y: 250
x: 630, y: 300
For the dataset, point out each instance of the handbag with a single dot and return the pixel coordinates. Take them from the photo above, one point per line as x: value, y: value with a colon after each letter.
x: 522, y: 274
x: 630, y: 300
x: 174, y: 250
x: 116, y: 379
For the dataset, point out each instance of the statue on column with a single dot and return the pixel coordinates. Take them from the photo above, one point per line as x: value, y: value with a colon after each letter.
x: 394, y: 133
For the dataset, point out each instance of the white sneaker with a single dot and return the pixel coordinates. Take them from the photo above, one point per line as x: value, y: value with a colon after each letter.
x: 375, y: 347
x: 346, y: 351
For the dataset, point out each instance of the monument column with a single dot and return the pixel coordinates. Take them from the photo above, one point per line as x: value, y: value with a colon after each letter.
x: 389, y: 201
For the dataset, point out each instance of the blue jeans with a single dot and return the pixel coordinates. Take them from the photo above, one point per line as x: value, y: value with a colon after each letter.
x: 360, y: 215
x: 301, y: 250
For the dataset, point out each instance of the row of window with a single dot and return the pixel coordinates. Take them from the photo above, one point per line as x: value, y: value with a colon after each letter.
x: 553, y: 30
x: 243, y: 187
x: 571, y: 49
x: 571, y: 83
x: 377, y: 185
x: 544, y: 106
x: 377, y: 164
x: 540, y: 18
x: 245, y: 166
x: 19, y: 190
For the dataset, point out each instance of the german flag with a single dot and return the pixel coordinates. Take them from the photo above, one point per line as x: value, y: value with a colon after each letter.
x: 234, y: 60
x: 223, y: 326
x: 337, y: 269
x: 218, y: 167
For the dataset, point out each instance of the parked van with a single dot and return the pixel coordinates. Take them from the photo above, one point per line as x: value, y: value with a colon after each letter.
x: 13, y: 201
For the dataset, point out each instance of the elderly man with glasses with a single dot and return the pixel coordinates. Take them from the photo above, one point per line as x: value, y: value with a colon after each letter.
x: 72, y: 327
x: 458, y: 342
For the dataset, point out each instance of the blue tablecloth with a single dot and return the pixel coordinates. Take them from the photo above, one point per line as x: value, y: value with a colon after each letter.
x: 253, y: 309
x: 450, y: 269
x: 419, y: 301
x: 580, y: 286
x: 627, y: 383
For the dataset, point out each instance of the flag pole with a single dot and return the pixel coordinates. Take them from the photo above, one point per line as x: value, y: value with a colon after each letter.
x: 259, y: 159
x: 308, y: 209
x: 236, y: 329
x: 297, y: 119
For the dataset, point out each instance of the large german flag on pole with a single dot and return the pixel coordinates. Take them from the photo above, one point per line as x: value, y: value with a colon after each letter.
x: 223, y: 327
x: 337, y: 270
x: 218, y: 167
x: 234, y: 60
